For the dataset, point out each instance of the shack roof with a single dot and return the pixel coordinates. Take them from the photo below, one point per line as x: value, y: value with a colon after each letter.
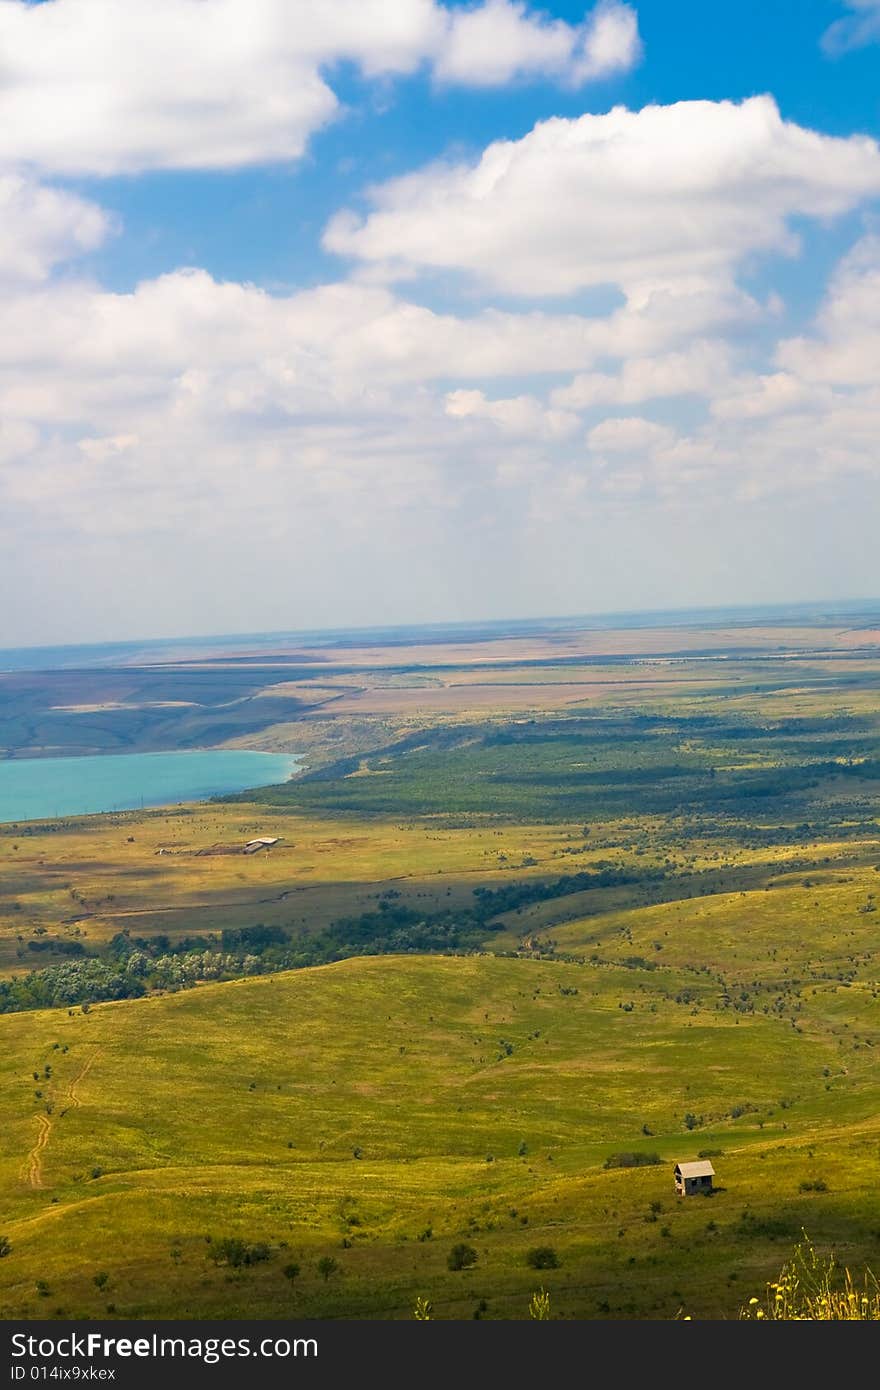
x: 702, y: 1168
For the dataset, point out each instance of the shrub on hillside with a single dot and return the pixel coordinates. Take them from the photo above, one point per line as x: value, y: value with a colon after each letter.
x: 235, y: 1252
x: 327, y: 1265
x: 632, y: 1160
x: 461, y: 1257
x: 542, y: 1257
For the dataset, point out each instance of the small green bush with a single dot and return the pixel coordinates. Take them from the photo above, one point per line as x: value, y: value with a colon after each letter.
x: 542, y: 1257
x: 461, y: 1257
x: 235, y: 1252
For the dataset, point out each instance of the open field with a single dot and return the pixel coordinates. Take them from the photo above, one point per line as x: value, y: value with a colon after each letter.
x: 89, y: 879
x: 350, y: 1110
x: 577, y: 895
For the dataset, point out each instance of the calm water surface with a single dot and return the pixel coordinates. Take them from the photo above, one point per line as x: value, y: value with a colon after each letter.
x: 43, y: 788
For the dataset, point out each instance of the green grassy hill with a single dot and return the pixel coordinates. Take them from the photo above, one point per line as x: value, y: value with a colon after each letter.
x: 674, y: 866
x: 379, y: 1111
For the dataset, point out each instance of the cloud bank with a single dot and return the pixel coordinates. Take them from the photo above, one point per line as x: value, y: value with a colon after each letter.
x: 210, y: 441
x: 105, y: 87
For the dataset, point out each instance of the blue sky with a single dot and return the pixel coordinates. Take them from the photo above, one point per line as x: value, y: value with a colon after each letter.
x: 326, y: 313
x: 264, y: 223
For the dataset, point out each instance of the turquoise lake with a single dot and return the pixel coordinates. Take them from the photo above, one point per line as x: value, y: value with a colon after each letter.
x: 44, y: 788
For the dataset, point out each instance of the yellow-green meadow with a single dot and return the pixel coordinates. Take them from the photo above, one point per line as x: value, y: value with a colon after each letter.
x: 495, y: 976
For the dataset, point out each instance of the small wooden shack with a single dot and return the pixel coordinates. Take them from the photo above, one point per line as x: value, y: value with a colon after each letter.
x: 693, y: 1178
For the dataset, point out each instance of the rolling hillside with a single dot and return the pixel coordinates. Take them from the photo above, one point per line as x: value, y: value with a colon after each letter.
x: 377, y: 1112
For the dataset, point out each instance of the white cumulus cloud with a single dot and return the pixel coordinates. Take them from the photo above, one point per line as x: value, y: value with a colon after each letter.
x: 109, y: 86
x: 523, y: 416
x: 775, y: 393
x: 629, y: 435
x: 41, y: 227
x: 697, y: 370
x: 845, y: 348
x: 670, y: 194
x: 501, y: 39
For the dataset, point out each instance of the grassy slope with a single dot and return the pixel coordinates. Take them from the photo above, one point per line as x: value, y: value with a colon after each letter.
x: 236, y: 1109
x: 189, y: 1105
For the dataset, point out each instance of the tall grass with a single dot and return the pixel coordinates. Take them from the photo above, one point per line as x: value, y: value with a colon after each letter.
x: 810, y: 1288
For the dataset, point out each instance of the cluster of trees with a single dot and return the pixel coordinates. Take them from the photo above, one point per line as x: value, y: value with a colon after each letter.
x: 132, y: 966
x: 492, y: 902
x: 61, y: 946
x: 73, y: 982
x: 606, y: 765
